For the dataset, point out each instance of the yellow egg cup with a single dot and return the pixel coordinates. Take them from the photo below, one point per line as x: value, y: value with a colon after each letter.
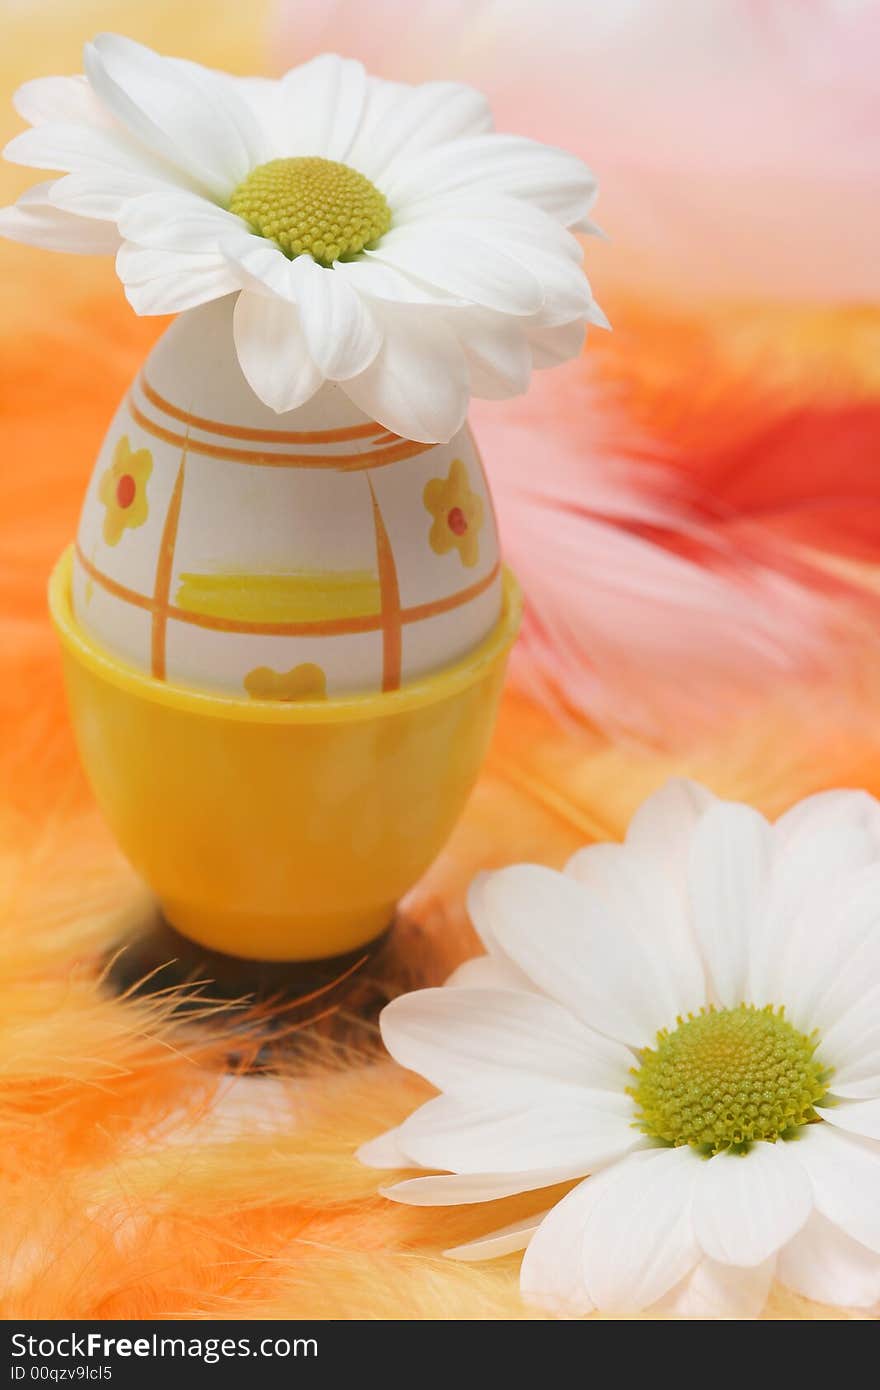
x: 280, y: 831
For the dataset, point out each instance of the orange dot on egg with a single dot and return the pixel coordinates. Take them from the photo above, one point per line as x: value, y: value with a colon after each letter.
x: 457, y: 521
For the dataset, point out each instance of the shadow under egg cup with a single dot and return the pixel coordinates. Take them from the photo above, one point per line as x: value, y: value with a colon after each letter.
x: 280, y: 831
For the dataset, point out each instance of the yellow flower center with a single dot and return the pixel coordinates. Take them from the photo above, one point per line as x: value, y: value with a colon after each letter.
x: 726, y: 1077
x: 312, y: 207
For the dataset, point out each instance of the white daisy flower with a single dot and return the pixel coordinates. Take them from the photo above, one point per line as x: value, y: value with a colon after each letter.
x: 692, y: 1019
x: 376, y: 234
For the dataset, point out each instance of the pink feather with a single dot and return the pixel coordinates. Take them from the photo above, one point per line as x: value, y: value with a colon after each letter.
x: 736, y: 148
x: 640, y: 612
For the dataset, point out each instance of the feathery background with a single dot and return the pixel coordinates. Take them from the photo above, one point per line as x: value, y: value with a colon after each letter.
x: 694, y: 511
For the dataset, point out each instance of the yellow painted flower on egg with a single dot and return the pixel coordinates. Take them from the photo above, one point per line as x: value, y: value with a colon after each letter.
x: 304, y: 682
x: 457, y: 513
x: 123, y: 490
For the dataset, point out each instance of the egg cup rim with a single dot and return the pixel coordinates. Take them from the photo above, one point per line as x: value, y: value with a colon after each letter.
x: 426, y: 690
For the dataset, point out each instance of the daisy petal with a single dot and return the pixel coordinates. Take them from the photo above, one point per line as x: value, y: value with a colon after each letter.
x: 720, y: 1291
x: 165, y: 282
x: 495, y: 215
x: 175, y: 292
x: 636, y: 890
x: 747, y: 1205
x: 619, y: 1241
x: 341, y: 333
x: 852, y: 1047
x: 402, y: 121
x: 187, y: 115
x: 597, y: 316
x: 177, y: 221
x: 663, y: 826
x: 384, y: 1151
x: 498, y: 356
x: 567, y: 293
x: 272, y: 351
x: 557, y: 182
x: 818, y: 845
x: 457, y: 263
x: 381, y: 282
x: 84, y: 149
x: 550, y: 347
x: 481, y: 911
x: 854, y: 1085
x: 321, y: 107
x: 494, y: 970
x: 855, y: 811
x: 466, y: 1189
x: 563, y: 1127
x: 552, y: 1273
x: 565, y: 288
x: 496, y: 1243
x: 639, y: 1239
x: 101, y: 194
x: 856, y: 1117
x: 841, y: 941
x: 135, y: 265
x: 824, y: 1264
x: 593, y: 964
x: 587, y: 227
x: 728, y: 870
x: 845, y: 1173
x: 488, y: 972
x: 47, y: 100
x: 854, y: 1032
x: 460, y: 1038
x: 528, y: 237
x: 262, y: 95
x: 417, y: 384
x: 261, y: 266
x: 35, y: 221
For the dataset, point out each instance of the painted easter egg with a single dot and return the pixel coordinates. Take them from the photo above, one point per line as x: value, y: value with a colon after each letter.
x: 279, y: 557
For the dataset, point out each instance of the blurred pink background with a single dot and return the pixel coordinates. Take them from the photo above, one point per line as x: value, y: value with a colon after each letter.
x: 737, y: 142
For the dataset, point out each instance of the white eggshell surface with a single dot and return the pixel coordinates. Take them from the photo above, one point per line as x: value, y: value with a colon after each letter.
x: 291, y: 556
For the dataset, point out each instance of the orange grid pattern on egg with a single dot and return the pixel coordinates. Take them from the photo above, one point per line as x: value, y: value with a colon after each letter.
x: 387, y: 448
x: 382, y: 448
